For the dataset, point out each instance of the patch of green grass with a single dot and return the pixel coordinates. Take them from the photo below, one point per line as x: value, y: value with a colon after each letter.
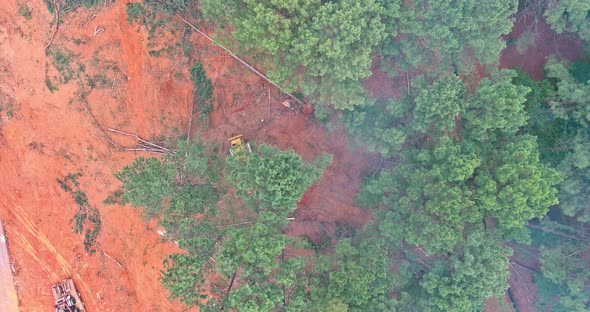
x: 24, y: 10
x: 136, y: 12
x: 62, y: 61
x: 69, y: 4
x: 157, y: 53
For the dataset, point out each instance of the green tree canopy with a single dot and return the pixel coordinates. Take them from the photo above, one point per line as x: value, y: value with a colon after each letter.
x: 462, y: 281
x: 498, y: 104
x: 564, y: 267
x: 274, y: 178
x: 446, y: 34
x: 572, y: 100
x: 320, y: 47
x: 561, y: 115
x: 429, y: 191
x: 513, y: 186
x: 438, y: 104
x: 357, y: 276
x: 147, y: 182
x: 574, y: 191
x: 184, y: 188
x: 569, y: 16
x: 382, y: 128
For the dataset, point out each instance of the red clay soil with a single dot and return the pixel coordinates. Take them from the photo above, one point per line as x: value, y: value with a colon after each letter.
x: 499, y: 304
x: 45, y: 135
x: 521, y: 279
x: 546, y: 43
x: 380, y: 86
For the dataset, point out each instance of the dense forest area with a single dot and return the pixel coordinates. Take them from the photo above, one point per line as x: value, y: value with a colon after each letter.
x: 477, y: 163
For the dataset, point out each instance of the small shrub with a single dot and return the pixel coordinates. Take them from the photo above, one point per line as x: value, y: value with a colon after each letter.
x: 25, y: 11
x: 62, y: 61
x: 525, y: 40
x: 80, y: 198
x: 50, y: 85
x: 114, y: 198
x: 136, y: 13
x: 202, y: 90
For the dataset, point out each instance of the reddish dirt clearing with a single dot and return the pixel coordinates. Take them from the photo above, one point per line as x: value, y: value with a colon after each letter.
x: 542, y: 44
x: 49, y: 135
x: 44, y: 136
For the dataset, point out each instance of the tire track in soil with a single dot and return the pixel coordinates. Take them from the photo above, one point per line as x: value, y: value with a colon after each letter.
x: 19, y: 215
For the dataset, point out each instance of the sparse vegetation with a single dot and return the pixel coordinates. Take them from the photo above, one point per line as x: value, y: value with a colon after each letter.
x: 24, y: 10
x: 7, y: 107
x: 471, y: 162
x: 87, y: 218
x: 136, y: 13
x: 62, y: 61
x: 66, y: 5
x: 202, y: 90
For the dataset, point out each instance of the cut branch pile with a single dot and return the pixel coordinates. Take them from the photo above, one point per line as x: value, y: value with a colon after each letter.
x: 143, y: 145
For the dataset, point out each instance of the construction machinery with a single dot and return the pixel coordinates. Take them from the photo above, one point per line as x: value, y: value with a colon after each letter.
x: 67, y: 298
x: 239, y: 146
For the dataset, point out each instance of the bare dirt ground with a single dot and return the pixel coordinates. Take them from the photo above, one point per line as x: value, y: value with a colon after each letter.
x: 47, y: 135
x: 537, y: 43
x: 522, y: 287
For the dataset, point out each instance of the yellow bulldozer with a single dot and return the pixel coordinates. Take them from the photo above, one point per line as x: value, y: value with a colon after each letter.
x: 239, y: 146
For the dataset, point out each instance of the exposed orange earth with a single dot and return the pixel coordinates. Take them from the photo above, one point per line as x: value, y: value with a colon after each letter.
x: 48, y: 135
x: 45, y: 135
